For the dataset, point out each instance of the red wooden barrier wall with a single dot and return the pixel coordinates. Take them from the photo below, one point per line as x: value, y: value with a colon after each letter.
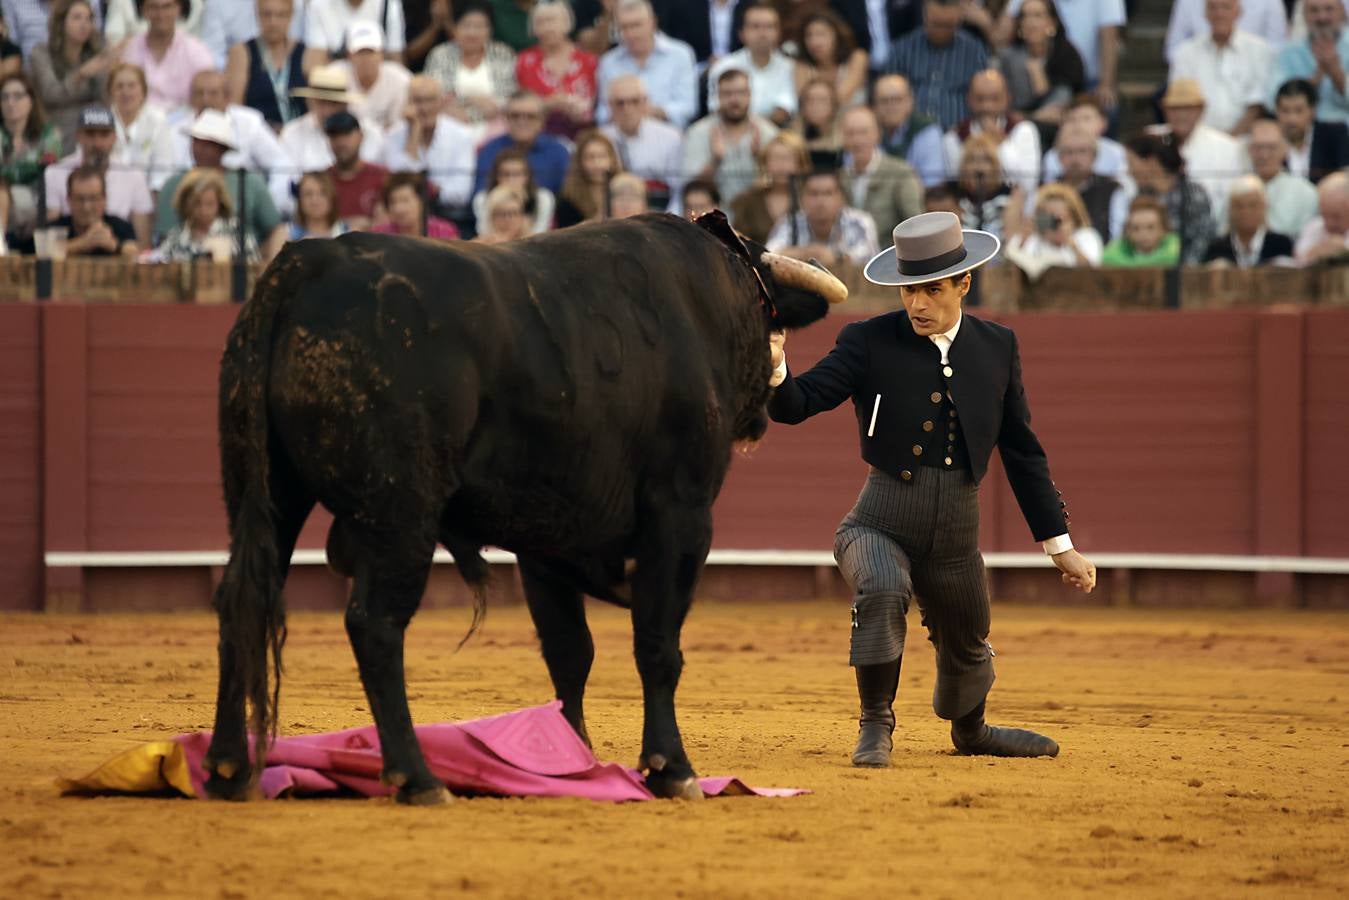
x: 1205, y: 432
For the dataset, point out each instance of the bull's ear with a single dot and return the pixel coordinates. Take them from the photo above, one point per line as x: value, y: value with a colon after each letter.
x: 716, y: 224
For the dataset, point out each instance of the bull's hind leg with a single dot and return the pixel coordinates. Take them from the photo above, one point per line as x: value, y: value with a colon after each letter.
x: 559, y: 617
x: 228, y: 765
x: 391, y: 571
x: 670, y: 553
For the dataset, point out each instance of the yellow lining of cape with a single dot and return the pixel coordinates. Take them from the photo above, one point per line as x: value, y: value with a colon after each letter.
x: 155, y: 766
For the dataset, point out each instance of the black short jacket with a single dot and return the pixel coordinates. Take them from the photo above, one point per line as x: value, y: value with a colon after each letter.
x: 884, y: 356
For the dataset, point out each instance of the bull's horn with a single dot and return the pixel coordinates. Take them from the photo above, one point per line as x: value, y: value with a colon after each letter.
x: 794, y: 273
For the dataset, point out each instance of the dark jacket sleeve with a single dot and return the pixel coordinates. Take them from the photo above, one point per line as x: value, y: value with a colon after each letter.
x: 832, y: 380
x: 1025, y: 462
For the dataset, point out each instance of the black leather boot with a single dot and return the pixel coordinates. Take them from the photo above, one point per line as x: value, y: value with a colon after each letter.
x: 972, y: 736
x: 876, y: 685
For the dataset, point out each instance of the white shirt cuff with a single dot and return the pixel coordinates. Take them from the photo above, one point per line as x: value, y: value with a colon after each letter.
x: 779, y: 374
x: 1055, y: 545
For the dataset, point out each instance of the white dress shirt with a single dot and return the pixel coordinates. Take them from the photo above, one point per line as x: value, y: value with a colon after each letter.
x: 1059, y: 543
x: 1248, y: 256
x: 654, y: 153
x: 326, y: 22
x: 146, y: 144
x: 306, y: 144
x: 451, y: 158
x: 720, y: 14
x: 772, y: 87
x: 1019, y: 153
x: 1212, y: 160
x: 1300, y: 158
x: 1264, y: 18
x: 1233, y: 77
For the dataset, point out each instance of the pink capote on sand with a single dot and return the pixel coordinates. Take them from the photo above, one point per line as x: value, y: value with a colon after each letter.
x: 532, y: 752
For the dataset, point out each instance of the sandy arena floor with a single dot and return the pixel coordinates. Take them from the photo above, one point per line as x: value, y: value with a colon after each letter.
x: 1205, y: 754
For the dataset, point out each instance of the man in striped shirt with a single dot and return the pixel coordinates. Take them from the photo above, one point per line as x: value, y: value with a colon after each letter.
x: 939, y: 60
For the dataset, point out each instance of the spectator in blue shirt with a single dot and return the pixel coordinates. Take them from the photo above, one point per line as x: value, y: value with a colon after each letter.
x: 939, y: 60
x: 548, y: 157
x: 1322, y: 58
x: 666, y: 66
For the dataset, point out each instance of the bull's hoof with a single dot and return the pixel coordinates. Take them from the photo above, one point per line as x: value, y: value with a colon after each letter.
x: 667, y: 788
x: 228, y: 781
x: 432, y: 796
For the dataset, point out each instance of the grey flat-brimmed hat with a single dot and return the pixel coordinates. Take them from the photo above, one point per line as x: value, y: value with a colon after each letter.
x: 930, y: 247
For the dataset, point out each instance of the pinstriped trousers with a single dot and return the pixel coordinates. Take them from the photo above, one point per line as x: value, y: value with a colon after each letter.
x: 921, y: 538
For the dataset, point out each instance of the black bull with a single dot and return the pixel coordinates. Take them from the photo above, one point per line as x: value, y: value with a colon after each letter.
x: 573, y: 397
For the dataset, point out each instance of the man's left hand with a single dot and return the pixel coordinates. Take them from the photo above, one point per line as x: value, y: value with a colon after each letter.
x: 1076, y: 569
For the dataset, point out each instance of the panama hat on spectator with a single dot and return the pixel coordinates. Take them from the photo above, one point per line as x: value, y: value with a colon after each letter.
x: 1183, y: 92
x: 327, y: 82
x: 213, y: 125
x: 930, y: 247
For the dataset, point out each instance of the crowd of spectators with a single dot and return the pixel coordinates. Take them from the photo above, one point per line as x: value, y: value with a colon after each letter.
x: 175, y: 129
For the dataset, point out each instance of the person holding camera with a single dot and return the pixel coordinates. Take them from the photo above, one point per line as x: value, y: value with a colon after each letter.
x: 1058, y: 233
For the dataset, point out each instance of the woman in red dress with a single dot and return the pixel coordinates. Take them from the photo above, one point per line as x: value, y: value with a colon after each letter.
x: 558, y: 71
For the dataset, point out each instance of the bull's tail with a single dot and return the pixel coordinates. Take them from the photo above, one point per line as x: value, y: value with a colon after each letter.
x: 249, y: 601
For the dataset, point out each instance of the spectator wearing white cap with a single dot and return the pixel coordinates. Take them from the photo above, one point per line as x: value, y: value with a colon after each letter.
x: 264, y: 69
x: 128, y: 194
x: 304, y: 139
x: 212, y: 137
x: 427, y: 140
x: 1230, y: 65
x: 256, y: 146
x: 327, y: 22
x: 380, y: 85
x: 168, y: 54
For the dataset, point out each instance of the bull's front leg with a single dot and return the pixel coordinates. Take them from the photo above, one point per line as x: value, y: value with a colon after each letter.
x: 670, y: 556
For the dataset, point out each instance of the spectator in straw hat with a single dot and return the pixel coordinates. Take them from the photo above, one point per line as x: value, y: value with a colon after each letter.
x: 1212, y: 157
x: 304, y: 139
x: 934, y: 391
x: 212, y: 139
